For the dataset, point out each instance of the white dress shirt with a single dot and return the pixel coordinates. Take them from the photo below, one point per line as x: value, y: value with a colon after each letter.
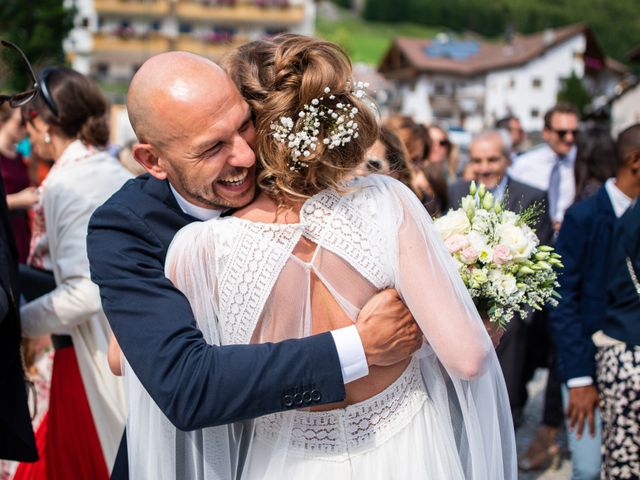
x: 534, y: 168
x: 353, y: 361
x: 620, y: 203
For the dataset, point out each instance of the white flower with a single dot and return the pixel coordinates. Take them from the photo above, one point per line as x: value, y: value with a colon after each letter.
x: 478, y: 278
x: 520, y: 239
x: 469, y: 205
x: 481, y: 221
x: 452, y: 223
x: 479, y: 243
x: 509, y: 217
x: 503, y: 283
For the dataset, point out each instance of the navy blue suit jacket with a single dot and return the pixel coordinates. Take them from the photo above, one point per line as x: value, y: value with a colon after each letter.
x: 195, y: 384
x: 622, y: 320
x: 583, y: 242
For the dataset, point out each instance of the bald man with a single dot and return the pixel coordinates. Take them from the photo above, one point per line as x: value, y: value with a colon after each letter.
x: 196, y: 142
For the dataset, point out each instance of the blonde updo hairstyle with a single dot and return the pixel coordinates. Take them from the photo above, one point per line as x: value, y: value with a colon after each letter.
x: 278, y: 77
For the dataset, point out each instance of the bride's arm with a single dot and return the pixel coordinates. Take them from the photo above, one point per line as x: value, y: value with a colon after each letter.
x: 433, y: 290
x: 114, y: 356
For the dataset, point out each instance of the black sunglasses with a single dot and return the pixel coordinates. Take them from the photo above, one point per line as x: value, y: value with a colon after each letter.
x: 22, y: 98
x: 563, y: 133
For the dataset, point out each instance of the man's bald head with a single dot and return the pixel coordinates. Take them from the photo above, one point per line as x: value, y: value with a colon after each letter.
x: 165, y: 86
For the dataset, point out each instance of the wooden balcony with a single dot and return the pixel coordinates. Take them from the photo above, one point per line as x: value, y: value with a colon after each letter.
x: 119, y: 44
x: 213, y: 50
x: 144, y: 8
x: 240, y: 12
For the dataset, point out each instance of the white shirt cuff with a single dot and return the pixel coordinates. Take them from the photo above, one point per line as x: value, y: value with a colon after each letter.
x: 579, y: 382
x: 353, y: 361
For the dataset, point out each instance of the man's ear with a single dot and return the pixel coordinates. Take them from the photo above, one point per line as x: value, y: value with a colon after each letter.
x: 145, y: 155
x: 634, y: 162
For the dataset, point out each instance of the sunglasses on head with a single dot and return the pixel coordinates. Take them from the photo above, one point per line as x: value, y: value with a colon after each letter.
x: 21, y: 98
x: 563, y: 133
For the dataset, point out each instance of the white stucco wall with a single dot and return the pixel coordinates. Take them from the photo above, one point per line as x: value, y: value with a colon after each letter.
x: 512, y: 90
x: 415, y: 100
x: 625, y: 111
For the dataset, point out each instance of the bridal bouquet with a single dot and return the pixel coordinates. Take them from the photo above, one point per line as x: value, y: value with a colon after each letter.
x: 499, y: 257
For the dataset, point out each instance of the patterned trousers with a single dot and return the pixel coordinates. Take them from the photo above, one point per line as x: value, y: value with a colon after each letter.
x: 618, y: 377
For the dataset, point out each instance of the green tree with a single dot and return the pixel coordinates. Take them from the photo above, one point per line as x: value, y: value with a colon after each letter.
x: 38, y: 28
x: 573, y: 91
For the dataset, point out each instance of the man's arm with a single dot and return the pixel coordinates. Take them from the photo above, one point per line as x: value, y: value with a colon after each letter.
x: 195, y: 384
x: 575, y: 353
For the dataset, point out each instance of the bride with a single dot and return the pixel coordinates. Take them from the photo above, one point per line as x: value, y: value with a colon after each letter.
x: 315, y: 246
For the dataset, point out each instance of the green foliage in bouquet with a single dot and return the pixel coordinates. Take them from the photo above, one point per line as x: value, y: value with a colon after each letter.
x: 499, y: 256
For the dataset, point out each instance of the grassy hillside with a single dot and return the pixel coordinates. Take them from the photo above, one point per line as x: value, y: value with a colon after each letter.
x: 366, y: 41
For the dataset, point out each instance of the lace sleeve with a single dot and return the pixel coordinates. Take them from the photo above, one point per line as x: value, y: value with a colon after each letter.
x: 463, y: 377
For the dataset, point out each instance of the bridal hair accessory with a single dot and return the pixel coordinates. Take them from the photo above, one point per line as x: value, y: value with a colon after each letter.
x: 338, y: 116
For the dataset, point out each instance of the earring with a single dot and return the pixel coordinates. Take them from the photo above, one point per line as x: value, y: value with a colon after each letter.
x: 47, y: 138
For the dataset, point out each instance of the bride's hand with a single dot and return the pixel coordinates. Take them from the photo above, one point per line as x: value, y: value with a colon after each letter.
x: 387, y: 329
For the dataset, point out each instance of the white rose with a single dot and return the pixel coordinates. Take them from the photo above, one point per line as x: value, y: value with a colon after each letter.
x: 455, y: 222
x: 520, y: 239
x: 503, y: 282
x: 509, y: 218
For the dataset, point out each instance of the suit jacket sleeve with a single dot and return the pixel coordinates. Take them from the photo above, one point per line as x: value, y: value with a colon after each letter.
x: 196, y: 385
x: 575, y: 351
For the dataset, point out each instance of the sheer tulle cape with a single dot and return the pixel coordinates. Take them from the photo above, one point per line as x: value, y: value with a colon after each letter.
x: 459, y: 366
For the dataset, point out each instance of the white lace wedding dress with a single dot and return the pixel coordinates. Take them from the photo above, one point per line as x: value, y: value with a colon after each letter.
x: 445, y: 417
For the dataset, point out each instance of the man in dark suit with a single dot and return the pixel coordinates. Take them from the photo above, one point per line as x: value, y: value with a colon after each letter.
x: 489, y: 159
x: 586, y: 236
x: 196, y: 138
x: 16, y: 434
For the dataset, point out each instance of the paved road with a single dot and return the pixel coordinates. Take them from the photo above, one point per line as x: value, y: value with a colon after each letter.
x: 525, y: 434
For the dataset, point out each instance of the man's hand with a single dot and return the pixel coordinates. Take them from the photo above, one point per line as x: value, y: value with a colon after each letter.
x: 495, y: 333
x: 387, y: 329
x: 583, y: 402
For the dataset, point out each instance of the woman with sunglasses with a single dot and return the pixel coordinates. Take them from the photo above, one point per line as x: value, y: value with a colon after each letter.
x: 67, y: 122
x: 442, y: 153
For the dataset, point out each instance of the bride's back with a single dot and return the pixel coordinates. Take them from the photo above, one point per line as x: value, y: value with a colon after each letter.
x: 329, y: 275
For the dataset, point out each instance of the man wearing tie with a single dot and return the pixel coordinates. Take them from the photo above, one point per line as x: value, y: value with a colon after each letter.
x: 550, y: 167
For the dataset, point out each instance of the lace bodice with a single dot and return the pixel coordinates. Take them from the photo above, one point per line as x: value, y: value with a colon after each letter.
x: 251, y: 258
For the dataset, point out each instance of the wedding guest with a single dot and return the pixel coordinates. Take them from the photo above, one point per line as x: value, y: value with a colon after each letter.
x: 585, y: 235
x: 489, y: 161
x: 549, y: 167
x: 20, y: 195
x: 512, y: 125
x: 595, y: 162
x: 67, y: 123
x: 442, y: 152
x: 429, y: 181
x: 618, y: 343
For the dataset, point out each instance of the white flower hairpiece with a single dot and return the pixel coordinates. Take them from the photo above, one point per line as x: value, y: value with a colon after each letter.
x: 339, y: 116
